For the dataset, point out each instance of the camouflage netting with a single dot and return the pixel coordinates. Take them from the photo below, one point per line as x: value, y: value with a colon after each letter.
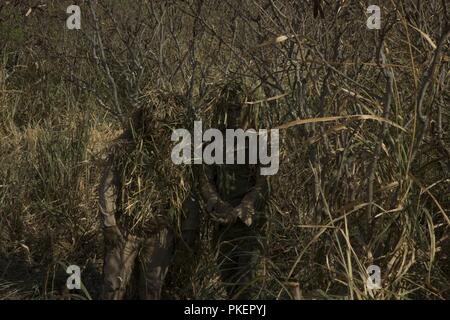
x: 153, y: 188
x: 238, y: 93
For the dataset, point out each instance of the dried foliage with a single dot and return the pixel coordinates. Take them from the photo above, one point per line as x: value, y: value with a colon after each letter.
x: 153, y: 189
x: 363, y: 116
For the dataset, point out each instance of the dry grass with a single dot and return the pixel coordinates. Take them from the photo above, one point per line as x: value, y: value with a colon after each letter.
x: 364, y: 168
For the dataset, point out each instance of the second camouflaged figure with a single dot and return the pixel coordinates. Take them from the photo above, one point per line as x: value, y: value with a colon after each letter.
x: 235, y: 195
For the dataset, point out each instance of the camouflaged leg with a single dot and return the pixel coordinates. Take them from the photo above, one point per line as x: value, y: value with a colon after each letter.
x: 118, y: 266
x: 155, y: 257
x: 239, y: 250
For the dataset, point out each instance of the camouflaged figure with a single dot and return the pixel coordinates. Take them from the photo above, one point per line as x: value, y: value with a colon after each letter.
x: 142, y: 199
x: 235, y: 195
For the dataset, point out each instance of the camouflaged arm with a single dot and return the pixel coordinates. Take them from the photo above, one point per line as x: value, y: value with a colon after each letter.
x: 258, y: 195
x: 108, y: 193
x: 253, y: 201
x: 207, y: 188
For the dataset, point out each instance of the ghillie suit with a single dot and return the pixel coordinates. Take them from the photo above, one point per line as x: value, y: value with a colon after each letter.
x: 142, y: 199
x: 235, y: 195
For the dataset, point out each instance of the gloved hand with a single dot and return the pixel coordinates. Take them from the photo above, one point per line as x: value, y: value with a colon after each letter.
x: 245, y: 211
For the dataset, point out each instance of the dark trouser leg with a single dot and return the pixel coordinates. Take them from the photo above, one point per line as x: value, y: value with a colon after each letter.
x: 238, y: 257
x: 190, y: 228
x: 179, y: 279
x: 117, y: 268
x: 154, y: 260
